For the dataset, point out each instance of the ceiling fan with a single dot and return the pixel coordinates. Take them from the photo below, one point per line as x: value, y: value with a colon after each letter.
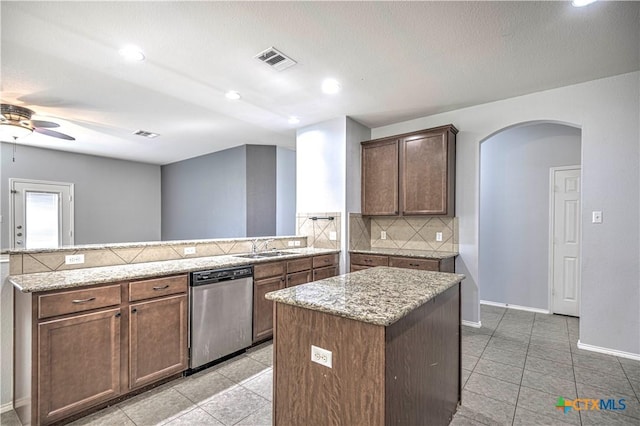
x: 16, y: 122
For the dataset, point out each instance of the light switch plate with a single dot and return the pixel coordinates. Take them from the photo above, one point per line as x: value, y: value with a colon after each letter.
x: 333, y: 236
x: 189, y: 250
x: 438, y: 236
x: 596, y: 217
x: 74, y: 259
x: 321, y: 356
x: 291, y: 243
x: 297, y: 243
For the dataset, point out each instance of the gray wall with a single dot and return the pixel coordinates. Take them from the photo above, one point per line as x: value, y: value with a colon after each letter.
x: 205, y: 197
x: 608, y: 112
x: 115, y: 200
x: 261, y: 190
x: 514, y: 210
x: 285, y: 191
x: 246, y: 191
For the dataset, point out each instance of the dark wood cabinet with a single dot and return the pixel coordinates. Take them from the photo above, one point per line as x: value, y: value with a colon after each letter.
x: 360, y: 261
x: 78, y: 363
x: 418, y: 178
x: 380, y: 177
x: 267, y: 277
x: 277, y: 275
x: 157, y: 339
x: 77, y: 350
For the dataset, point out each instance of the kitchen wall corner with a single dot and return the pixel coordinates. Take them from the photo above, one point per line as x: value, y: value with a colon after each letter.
x: 318, y: 232
x: 359, y: 232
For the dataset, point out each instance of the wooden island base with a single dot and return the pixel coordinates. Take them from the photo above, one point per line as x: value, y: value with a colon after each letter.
x: 407, y: 373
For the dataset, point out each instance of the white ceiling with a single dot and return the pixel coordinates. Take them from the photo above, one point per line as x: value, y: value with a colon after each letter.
x: 395, y: 60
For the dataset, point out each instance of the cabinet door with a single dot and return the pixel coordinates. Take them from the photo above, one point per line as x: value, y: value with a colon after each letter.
x: 78, y: 363
x: 425, y: 186
x: 263, y: 308
x: 157, y: 339
x: 380, y: 178
x: 322, y: 273
x: 298, y: 278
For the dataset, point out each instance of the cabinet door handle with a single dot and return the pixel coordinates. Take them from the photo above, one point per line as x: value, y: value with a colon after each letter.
x: 91, y: 299
x: 118, y: 315
x: 414, y: 264
x: 161, y: 288
x: 134, y: 310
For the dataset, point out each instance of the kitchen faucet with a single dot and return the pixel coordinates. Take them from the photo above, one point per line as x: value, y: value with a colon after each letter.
x: 255, y: 245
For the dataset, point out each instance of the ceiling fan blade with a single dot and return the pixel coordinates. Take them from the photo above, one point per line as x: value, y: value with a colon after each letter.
x: 54, y: 134
x: 44, y: 124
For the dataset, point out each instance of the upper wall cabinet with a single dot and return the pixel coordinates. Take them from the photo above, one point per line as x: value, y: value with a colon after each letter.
x: 410, y: 174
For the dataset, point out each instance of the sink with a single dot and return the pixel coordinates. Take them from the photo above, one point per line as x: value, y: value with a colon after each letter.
x: 262, y: 255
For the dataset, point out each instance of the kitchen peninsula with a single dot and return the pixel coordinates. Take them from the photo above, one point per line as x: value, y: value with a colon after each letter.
x: 378, y: 347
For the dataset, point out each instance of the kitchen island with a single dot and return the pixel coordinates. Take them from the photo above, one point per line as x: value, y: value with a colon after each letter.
x: 377, y: 347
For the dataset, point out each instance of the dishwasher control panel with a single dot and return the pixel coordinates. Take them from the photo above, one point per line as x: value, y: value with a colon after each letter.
x: 220, y: 275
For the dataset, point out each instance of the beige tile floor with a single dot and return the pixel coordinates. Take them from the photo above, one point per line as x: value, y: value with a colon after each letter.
x: 514, y: 369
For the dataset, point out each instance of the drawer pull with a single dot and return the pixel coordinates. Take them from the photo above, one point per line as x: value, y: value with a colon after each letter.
x: 367, y: 260
x: 134, y: 310
x: 161, y: 288
x: 414, y: 264
x: 91, y: 299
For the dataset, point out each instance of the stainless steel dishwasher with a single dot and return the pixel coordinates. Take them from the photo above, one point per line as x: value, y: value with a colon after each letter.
x: 221, y: 303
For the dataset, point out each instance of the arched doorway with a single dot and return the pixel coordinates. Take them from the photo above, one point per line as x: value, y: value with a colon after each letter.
x: 515, y: 213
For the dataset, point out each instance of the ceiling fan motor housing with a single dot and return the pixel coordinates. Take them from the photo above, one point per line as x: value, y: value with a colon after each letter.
x: 17, y: 116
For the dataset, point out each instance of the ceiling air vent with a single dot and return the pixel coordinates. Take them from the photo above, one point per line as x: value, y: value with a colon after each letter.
x: 275, y: 59
x: 146, y: 134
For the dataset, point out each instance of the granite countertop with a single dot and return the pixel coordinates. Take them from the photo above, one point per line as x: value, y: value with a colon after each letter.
x: 379, y: 296
x: 427, y: 254
x: 45, y: 281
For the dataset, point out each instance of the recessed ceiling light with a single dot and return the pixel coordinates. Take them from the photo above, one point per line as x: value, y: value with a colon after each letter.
x: 581, y: 3
x: 330, y: 86
x: 294, y: 120
x: 233, y: 95
x: 132, y: 53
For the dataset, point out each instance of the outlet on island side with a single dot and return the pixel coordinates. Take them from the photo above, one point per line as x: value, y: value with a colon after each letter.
x: 321, y: 356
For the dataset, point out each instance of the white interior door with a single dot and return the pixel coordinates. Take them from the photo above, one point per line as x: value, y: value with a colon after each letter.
x: 41, y: 214
x: 565, y: 258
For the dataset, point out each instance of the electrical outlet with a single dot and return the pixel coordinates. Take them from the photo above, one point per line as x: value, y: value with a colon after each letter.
x: 291, y: 243
x: 321, y: 356
x: 383, y: 235
x: 297, y: 243
x: 74, y: 259
x: 189, y: 250
x: 333, y: 235
x: 438, y: 236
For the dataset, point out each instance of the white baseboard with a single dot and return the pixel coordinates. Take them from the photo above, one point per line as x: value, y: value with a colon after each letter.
x: 614, y: 352
x: 472, y: 323
x: 6, y: 407
x: 517, y: 307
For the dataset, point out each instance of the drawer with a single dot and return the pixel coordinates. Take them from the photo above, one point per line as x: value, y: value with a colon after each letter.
x: 298, y: 278
x: 69, y: 302
x: 369, y: 259
x: 157, y: 287
x: 325, y: 260
x: 322, y: 273
x: 271, y: 269
x: 297, y: 265
x: 355, y: 268
x: 414, y: 263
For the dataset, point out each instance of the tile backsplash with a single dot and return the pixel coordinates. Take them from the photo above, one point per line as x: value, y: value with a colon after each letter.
x: 30, y: 262
x: 319, y: 231
x: 412, y: 233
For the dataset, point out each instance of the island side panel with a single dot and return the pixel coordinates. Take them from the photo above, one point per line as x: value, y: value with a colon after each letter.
x: 423, y: 363
x: 349, y: 393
